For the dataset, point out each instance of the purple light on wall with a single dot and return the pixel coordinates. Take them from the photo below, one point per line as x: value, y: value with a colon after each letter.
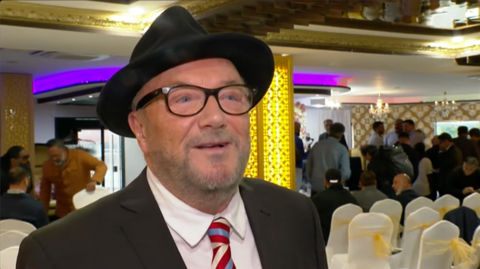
x: 316, y: 79
x: 72, y: 78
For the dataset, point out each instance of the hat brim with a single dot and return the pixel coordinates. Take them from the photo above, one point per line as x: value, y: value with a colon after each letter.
x: 251, y: 56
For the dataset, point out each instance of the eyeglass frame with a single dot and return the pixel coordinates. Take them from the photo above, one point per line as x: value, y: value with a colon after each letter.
x: 148, y: 98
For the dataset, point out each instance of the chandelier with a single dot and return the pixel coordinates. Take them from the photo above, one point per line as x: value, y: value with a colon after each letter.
x: 445, y: 107
x: 380, y: 110
x: 332, y: 104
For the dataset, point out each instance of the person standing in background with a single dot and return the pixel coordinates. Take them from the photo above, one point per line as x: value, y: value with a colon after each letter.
x: 328, y: 154
x: 475, y: 136
x: 299, y: 157
x: 378, y: 131
x: 450, y: 157
x: 15, y: 156
x: 468, y: 147
x: 415, y: 135
x: 392, y: 137
x: 69, y: 171
x: 327, y: 124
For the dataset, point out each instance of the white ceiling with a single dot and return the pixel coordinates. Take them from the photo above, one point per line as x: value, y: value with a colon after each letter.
x: 418, y: 78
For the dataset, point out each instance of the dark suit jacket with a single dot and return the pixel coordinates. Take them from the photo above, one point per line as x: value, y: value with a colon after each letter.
x: 467, y: 147
x: 405, y: 198
x: 448, y: 160
x: 24, y: 207
x: 413, y: 157
x: 126, y: 230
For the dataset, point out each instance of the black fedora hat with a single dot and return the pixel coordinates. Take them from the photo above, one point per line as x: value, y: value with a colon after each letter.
x: 176, y: 38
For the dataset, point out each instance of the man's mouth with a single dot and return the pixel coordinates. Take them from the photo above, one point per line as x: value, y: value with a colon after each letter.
x: 212, y: 145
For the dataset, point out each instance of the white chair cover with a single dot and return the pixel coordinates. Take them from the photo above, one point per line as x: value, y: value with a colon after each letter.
x: 393, y: 209
x: 432, y: 254
x: 369, y: 243
x: 476, y: 246
x: 445, y: 203
x: 338, y: 239
x: 84, y: 197
x: 416, y: 204
x: 8, y: 258
x: 415, y: 224
x: 16, y: 225
x: 473, y: 202
x: 11, y: 239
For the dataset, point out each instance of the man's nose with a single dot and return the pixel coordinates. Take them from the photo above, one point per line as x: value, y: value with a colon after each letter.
x: 212, y: 115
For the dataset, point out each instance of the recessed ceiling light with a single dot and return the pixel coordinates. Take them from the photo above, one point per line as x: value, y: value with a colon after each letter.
x: 90, y: 96
x: 137, y: 11
x: 73, y: 99
x: 284, y: 55
x: 457, y: 39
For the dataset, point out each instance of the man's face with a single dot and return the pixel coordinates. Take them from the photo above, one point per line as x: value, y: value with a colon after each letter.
x: 443, y: 145
x: 23, y: 158
x: 435, y: 141
x: 398, y: 185
x: 327, y: 125
x: 207, y: 151
x: 407, y: 127
x: 58, y: 155
x: 468, y: 169
x: 381, y: 129
x: 398, y: 126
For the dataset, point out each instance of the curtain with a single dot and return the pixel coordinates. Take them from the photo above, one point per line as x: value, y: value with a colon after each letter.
x: 316, y: 116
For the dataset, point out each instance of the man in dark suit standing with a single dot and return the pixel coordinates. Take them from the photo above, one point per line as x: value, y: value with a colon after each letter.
x: 467, y: 147
x: 450, y: 157
x: 185, y: 96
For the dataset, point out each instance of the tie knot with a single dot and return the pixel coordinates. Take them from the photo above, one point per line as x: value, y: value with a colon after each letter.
x: 219, y: 231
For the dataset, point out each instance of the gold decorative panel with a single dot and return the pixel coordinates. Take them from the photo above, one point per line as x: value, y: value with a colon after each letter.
x: 423, y: 115
x: 252, y: 166
x: 274, y: 129
x: 16, y: 112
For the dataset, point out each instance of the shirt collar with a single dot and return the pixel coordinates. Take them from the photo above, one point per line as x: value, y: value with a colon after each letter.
x: 15, y: 191
x: 189, y: 223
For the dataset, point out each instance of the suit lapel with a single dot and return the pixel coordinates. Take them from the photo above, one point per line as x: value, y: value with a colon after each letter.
x: 262, y: 221
x: 146, y: 228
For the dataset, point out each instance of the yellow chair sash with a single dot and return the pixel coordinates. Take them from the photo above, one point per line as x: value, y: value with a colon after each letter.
x: 417, y: 225
x: 444, y: 210
x: 396, y: 221
x: 381, y: 244
x: 337, y: 223
x: 463, y: 253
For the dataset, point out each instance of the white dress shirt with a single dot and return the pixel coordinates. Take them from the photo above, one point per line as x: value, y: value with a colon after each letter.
x: 390, y: 139
x: 375, y: 140
x: 189, y: 226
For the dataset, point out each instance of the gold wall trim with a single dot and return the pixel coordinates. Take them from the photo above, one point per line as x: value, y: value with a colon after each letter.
x: 359, y: 43
x: 63, y: 16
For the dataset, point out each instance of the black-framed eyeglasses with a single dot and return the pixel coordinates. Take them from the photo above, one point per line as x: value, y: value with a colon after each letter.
x: 189, y: 100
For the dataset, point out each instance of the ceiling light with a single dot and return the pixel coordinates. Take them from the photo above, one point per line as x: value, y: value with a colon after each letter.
x: 58, y: 102
x: 457, y: 39
x: 380, y: 111
x: 284, y: 55
x: 73, y: 99
x: 90, y: 96
x: 137, y: 11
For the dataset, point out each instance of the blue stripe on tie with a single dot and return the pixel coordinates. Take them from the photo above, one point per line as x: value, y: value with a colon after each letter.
x: 229, y: 264
x: 221, y: 232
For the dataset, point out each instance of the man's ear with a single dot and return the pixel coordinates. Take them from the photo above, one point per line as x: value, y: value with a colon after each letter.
x: 135, y: 120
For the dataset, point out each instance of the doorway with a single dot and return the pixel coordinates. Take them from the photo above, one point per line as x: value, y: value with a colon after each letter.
x: 88, y: 134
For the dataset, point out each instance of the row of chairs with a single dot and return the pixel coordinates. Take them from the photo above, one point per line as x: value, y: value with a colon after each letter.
x: 12, y: 233
x: 420, y: 213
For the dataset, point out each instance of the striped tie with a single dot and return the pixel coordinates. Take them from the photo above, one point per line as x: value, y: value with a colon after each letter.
x: 219, y: 234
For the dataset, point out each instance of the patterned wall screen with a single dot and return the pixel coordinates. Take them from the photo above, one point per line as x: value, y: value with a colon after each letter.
x: 423, y: 115
x: 272, y: 133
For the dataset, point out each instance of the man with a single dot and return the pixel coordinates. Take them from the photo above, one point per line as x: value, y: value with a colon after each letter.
x: 467, y: 147
x: 327, y: 124
x: 415, y: 136
x: 369, y: 193
x: 376, y: 138
x: 330, y: 199
x: 15, y: 156
x: 327, y: 154
x: 433, y: 154
x: 450, y: 157
x: 17, y: 204
x: 392, y: 137
x: 69, y: 171
x: 299, y: 157
x: 404, y: 142
x: 402, y: 184
x: 475, y: 136
x: 191, y: 207
x: 465, y: 180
